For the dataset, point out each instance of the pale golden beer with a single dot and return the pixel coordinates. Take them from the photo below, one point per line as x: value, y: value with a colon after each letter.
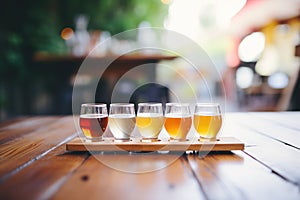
x: 207, y: 126
x: 150, y: 120
x: 207, y: 120
x: 149, y: 125
x: 178, y: 120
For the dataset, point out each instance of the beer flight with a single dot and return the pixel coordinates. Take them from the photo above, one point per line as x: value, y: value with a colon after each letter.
x: 150, y: 120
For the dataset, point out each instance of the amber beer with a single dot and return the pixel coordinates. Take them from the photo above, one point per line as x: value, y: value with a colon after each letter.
x: 178, y: 120
x: 93, y: 125
x: 207, y: 120
x: 178, y: 126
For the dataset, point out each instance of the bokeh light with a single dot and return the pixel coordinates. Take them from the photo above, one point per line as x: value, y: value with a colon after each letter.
x: 67, y: 33
x: 251, y: 47
x: 278, y: 80
x: 166, y: 1
x: 269, y: 62
x: 244, y: 77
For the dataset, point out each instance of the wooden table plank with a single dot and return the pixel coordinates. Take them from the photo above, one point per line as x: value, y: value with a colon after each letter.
x: 286, y: 119
x: 21, y: 151
x: 42, y: 178
x: 8, y: 122
x: 277, y: 156
x: 34, y: 164
x: 24, y: 126
x: 271, y: 129
x: 98, y: 181
x: 238, y: 176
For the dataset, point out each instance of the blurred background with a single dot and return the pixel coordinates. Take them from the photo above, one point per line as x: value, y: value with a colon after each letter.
x: 254, y: 45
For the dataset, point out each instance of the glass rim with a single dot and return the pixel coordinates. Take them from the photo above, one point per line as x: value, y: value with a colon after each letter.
x: 207, y: 104
x: 94, y: 105
x: 121, y: 105
x: 177, y: 104
x: 150, y: 104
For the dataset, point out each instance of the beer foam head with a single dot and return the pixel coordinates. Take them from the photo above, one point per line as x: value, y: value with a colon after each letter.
x: 149, y: 114
x: 121, y: 115
x: 178, y: 115
x: 93, y: 115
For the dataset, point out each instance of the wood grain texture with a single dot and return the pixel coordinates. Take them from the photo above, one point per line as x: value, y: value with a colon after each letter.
x: 98, y: 181
x: 285, y: 119
x: 238, y: 176
x: 223, y: 144
x: 7, y: 122
x: 21, y: 126
x: 42, y: 178
x: 279, y: 157
x: 30, y: 146
x: 34, y: 164
x: 276, y: 130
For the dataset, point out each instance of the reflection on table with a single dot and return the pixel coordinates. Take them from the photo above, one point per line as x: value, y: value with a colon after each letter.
x: 35, y: 161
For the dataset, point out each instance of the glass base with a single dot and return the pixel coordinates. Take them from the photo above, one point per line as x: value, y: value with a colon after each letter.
x: 203, y: 139
x: 88, y: 140
x: 178, y: 140
x: 150, y: 140
x: 122, y: 140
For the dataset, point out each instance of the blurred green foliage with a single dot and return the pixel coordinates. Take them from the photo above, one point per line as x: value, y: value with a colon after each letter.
x: 115, y: 16
x: 29, y: 26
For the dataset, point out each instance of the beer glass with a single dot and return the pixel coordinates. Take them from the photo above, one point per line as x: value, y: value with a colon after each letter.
x: 178, y: 120
x: 150, y: 120
x: 121, y: 120
x: 207, y: 120
x: 93, y: 120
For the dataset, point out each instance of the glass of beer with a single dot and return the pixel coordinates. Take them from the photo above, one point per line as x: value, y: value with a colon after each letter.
x: 121, y: 120
x: 93, y: 120
x: 207, y: 120
x: 150, y: 120
x: 178, y: 120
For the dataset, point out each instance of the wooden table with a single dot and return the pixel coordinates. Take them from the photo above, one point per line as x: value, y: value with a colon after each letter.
x: 34, y: 164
